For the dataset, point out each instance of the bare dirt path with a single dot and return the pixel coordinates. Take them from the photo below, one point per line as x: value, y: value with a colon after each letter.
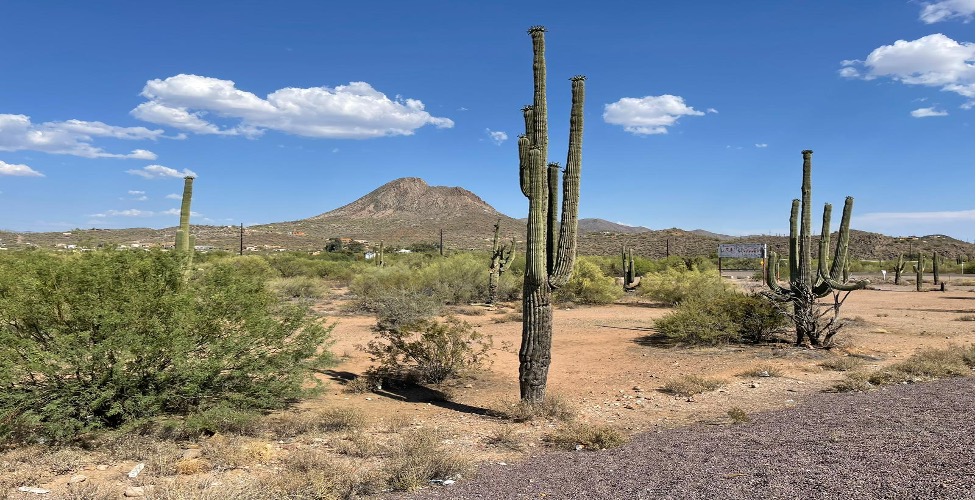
x: 910, y: 441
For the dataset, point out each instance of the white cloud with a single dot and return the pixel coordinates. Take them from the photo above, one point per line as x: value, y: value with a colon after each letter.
x: 18, y: 170
x: 173, y: 196
x: 934, y: 61
x: 647, y: 115
x: 161, y: 172
x: 134, y: 192
x: 132, y: 212
x: 926, y: 112
x: 353, y: 111
x: 72, y: 137
x: 176, y: 211
x: 762, y: 145
x: 947, y: 9
x: 711, y: 110
x: 497, y: 137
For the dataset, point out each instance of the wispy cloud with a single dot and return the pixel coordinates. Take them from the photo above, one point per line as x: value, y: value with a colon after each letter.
x: 132, y: 212
x: 945, y: 10
x: 72, y: 137
x: 650, y: 114
x: 497, y: 137
x: 926, y: 112
x: 932, y: 61
x: 161, y: 172
x: 762, y: 145
x: 353, y: 111
x: 17, y: 169
x: 173, y: 196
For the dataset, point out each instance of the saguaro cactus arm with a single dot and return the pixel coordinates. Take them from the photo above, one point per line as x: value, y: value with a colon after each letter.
x: 832, y: 280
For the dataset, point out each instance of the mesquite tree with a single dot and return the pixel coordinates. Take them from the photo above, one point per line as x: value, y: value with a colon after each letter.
x: 501, y: 255
x: 807, y: 284
x: 551, y: 238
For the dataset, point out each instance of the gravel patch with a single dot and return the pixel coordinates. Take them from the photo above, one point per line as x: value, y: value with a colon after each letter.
x: 906, y: 441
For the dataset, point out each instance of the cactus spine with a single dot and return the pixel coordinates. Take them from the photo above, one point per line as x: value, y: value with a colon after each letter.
x: 185, y: 240
x: 899, y: 268
x: 807, y: 283
x: 631, y: 280
x: 501, y: 255
x: 551, y: 242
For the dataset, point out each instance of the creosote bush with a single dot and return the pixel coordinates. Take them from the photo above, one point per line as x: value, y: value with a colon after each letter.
x: 588, y: 285
x: 428, y: 350
x: 721, y: 317
x: 672, y: 285
x: 101, y: 339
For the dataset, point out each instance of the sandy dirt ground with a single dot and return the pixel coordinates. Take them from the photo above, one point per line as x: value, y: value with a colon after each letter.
x: 608, y: 365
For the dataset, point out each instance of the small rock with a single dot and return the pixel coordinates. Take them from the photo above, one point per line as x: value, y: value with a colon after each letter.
x: 136, y: 470
x: 579, y: 447
x: 763, y: 373
x: 754, y: 385
x: 468, y: 386
x: 101, y: 467
x: 78, y: 478
x: 502, y: 463
x: 191, y: 453
x: 134, y: 491
x: 448, y: 482
x: 369, y: 399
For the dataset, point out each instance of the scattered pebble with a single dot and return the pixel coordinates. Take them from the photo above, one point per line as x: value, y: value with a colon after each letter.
x: 78, y: 478
x: 136, y: 470
x: 33, y: 489
x: 134, y: 491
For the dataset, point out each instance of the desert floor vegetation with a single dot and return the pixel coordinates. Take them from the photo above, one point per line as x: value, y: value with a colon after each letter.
x: 613, y: 374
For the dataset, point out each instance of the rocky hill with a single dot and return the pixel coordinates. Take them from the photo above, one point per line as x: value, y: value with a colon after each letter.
x: 408, y: 211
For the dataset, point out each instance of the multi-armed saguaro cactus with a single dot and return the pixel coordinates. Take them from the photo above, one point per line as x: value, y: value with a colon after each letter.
x: 185, y: 240
x: 807, y: 283
x: 501, y: 255
x: 631, y: 280
x: 899, y: 268
x: 551, y: 238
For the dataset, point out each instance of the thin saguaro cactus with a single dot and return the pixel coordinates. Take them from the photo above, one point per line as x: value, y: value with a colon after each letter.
x: 551, y: 236
x: 899, y: 268
x: 184, y: 240
x: 809, y: 283
x: 935, y: 267
x: 919, y: 266
x: 501, y: 255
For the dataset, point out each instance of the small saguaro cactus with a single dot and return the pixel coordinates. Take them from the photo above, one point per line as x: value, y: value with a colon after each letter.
x: 631, y: 280
x: 899, y: 268
x: 551, y: 237
x: 919, y: 266
x: 935, y: 267
x: 184, y: 240
x: 807, y: 284
x: 501, y: 255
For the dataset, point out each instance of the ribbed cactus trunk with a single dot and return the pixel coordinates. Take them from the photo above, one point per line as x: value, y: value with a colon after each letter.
x: 550, y: 238
x: 807, y: 284
x: 184, y: 240
x: 935, y: 268
x: 919, y: 267
x: 899, y: 268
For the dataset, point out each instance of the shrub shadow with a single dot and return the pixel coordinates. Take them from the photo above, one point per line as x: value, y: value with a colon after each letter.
x: 409, y: 392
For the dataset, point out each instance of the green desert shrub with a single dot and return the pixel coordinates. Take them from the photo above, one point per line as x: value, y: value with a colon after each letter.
x: 429, y: 350
x: 588, y: 285
x: 299, y: 287
x: 672, y: 285
x: 399, y: 308
x: 100, y: 339
x: 457, y: 279
x: 721, y: 318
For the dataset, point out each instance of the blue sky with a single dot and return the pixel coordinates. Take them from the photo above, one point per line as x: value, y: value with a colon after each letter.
x: 695, y: 116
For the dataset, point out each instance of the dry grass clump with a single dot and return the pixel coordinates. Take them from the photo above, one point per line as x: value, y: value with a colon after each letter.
x: 762, y: 370
x: 507, y: 438
x: 160, y: 456
x: 584, y: 436
x: 738, y: 415
x: 926, y: 364
x: 231, y: 452
x: 357, y: 444
x: 842, y: 364
x: 553, y: 407
x: 417, y: 458
x: 508, y: 318
x: 91, y: 491
x: 289, y: 424
x: 966, y: 317
x: 299, y: 287
x: 690, y: 385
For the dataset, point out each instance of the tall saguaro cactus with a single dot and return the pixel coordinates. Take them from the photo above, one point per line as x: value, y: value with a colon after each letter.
x: 935, y: 267
x: 899, y: 268
x: 807, y: 284
x: 185, y: 240
x: 551, y: 237
x: 501, y: 255
x: 919, y: 266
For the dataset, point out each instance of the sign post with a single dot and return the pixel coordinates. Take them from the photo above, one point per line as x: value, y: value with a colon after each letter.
x: 742, y: 251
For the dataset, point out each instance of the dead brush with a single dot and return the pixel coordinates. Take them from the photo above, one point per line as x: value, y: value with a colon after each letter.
x: 294, y: 423
x: 507, y: 438
x: 418, y: 457
x: 926, y: 364
x: 842, y: 364
x: 584, y: 436
x: 690, y: 385
x: 553, y: 407
x: 357, y: 444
